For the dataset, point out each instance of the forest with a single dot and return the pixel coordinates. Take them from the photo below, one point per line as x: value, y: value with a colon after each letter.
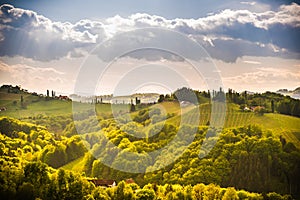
x: 53, y: 156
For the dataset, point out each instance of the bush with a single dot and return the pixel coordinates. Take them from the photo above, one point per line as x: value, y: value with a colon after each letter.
x: 145, y: 194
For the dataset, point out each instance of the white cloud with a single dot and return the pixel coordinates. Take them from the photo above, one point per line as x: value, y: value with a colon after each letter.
x: 252, y: 62
x: 251, y: 3
x: 31, y: 35
x: 32, y: 77
x: 287, y: 15
x: 268, y: 77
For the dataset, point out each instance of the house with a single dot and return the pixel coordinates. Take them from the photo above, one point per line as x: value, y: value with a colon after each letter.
x: 247, y: 109
x: 65, y: 98
x: 129, y: 181
x: 103, y: 182
x: 185, y: 103
x: 256, y: 107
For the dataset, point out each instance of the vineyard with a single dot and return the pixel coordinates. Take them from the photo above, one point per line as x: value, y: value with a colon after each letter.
x: 233, y: 117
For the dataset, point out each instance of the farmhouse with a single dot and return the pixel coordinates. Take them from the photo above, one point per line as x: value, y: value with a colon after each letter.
x: 103, y: 182
x: 65, y: 98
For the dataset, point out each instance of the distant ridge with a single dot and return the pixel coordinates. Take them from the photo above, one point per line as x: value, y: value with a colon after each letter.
x: 292, y: 93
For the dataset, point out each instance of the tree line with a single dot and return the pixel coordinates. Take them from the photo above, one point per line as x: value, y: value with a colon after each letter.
x: 246, y: 158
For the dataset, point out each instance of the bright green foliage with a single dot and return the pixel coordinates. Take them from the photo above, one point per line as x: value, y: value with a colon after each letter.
x: 230, y: 194
x: 145, y: 194
x: 99, y: 193
x: 247, y: 157
x: 36, y: 180
x: 123, y: 192
x: 35, y: 173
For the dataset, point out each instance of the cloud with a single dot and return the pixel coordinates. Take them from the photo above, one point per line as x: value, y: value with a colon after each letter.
x: 269, y: 77
x: 28, y: 76
x: 251, y: 3
x: 226, y: 35
x: 252, y: 62
x: 28, y: 34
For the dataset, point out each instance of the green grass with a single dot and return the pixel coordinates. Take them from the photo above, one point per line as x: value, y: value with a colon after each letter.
x: 287, y: 126
x: 51, y: 107
x: 40, y: 105
x: 75, y: 165
x: 284, y: 125
x: 170, y: 107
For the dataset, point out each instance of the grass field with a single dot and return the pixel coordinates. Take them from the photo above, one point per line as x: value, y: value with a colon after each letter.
x: 287, y: 126
x: 76, y: 165
x: 284, y: 125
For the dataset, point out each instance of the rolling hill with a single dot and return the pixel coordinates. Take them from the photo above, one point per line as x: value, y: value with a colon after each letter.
x: 252, y: 146
x: 284, y: 125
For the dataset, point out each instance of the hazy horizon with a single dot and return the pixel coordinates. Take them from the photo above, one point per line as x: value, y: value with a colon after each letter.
x: 252, y: 45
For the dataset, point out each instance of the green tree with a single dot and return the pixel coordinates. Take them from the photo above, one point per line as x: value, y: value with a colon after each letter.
x: 132, y: 108
x: 145, y: 194
x: 161, y: 98
x: 230, y: 194
x: 36, y: 173
x: 26, y: 191
x: 258, y: 110
x: 198, y: 191
x: 123, y: 192
x: 99, y: 193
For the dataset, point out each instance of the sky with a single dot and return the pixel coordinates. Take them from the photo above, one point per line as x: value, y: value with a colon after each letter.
x: 104, y: 47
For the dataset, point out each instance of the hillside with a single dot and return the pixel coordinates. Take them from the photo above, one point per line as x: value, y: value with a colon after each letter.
x: 39, y: 107
x: 255, y: 151
x: 240, y: 156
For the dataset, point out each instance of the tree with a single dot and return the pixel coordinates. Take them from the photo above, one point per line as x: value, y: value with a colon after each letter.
x: 272, y: 106
x: 123, y: 192
x: 230, y: 194
x: 52, y: 93
x: 230, y: 94
x: 99, y: 193
x: 132, y: 108
x: 259, y: 110
x: 26, y: 191
x: 145, y: 194
x: 36, y: 173
x: 198, y: 191
x: 22, y: 102
x: 161, y: 98
x: 186, y: 94
x: 137, y: 101
x: 212, y: 192
x: 295, y: 111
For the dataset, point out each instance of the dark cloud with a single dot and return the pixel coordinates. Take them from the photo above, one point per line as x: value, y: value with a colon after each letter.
x: 230, y: 50
x: 150, y: 44
x: 275, y: 4
x: 28, y: 34
x: 226, y: 35
x: 285, y: 36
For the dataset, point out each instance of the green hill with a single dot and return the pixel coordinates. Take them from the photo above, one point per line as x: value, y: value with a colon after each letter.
x: 287, y: 126
x: 279, y: 124
x: 245, y: 156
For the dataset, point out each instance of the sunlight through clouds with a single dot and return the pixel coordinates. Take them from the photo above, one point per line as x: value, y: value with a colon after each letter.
x: 253, y: 29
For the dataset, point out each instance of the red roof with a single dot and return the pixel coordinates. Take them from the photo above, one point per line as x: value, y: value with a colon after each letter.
x: 103, y: 182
